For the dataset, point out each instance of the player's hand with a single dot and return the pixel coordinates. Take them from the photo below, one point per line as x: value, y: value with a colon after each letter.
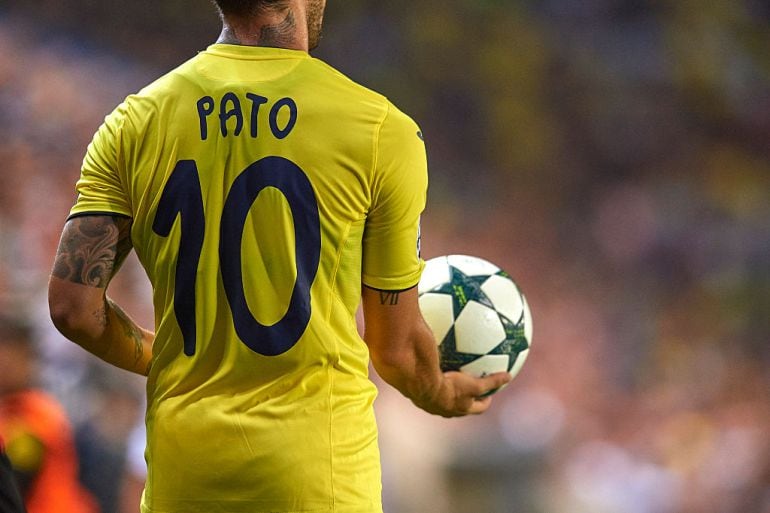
x: 461, y: 394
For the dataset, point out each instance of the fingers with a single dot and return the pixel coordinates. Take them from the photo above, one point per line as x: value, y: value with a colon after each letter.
x: 473, y: 395
x: 479, y: 387
x: 493, y: 382
x: 481, y: 405
x: 486, y: 385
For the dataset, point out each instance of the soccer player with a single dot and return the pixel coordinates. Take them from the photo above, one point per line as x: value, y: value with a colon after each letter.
x: 37, y: 434
x: 266, y: 195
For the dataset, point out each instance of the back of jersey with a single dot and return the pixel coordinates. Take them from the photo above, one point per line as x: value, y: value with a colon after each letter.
x: 264, y: 188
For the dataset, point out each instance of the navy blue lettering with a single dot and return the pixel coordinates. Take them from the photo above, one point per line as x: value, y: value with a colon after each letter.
x: 288, y: 178
x: 284, y: 102
x: 182, y: 197
x: 235, y: 111
x: 205, y: 108
x: 256, y: 102
x: 230, y: 107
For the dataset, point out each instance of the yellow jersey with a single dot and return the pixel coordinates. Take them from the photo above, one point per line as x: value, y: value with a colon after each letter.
x: 264, y: 188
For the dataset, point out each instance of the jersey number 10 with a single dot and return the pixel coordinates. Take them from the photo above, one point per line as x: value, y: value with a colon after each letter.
x: 182, y: 197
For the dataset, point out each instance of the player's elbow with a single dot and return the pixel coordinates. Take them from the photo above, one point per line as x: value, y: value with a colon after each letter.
x: 63, y: 314
x: 68, y: 312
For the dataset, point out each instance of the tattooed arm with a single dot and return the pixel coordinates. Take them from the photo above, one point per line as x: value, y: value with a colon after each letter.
x: 404, y: 353
x: 91, y: 250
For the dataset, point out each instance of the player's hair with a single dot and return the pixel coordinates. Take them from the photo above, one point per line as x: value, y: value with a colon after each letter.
x: 246, y: 8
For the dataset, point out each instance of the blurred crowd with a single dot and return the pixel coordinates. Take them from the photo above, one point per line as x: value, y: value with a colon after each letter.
x: 613, y: 156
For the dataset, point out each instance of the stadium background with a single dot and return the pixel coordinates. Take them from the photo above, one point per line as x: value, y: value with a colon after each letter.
x: 614, y: 156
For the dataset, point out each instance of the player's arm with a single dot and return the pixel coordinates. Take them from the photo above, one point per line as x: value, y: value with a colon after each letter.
x: 91, y: 250
x: 404, y: 353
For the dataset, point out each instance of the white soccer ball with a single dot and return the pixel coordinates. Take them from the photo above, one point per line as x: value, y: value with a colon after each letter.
x: 479, y: 317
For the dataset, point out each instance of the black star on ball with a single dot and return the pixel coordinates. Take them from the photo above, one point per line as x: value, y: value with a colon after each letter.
x: 463, y: 289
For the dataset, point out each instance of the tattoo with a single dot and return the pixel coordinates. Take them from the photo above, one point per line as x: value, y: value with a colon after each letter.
x: 92, y: 249
x: 389, y: 297
x: 280, y: 35
x: 101, y: 317
x: 130, y: 328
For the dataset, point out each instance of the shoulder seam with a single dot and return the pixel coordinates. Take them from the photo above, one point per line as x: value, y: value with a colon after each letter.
x: 358, y: 86
x: 376, y: 144
x: 120, y: 160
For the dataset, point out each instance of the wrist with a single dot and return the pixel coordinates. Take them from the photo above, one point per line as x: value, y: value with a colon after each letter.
x: 436, y: 397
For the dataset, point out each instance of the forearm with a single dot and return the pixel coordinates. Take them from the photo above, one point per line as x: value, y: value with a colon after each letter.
x: 123, y: 342
x: 414, y: 371
x: 405, y: 354
x: 91, y: 250
x: 101, y: 327
x: 403, y: 349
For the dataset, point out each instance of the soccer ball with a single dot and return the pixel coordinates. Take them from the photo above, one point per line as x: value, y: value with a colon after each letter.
x: 477, y: 313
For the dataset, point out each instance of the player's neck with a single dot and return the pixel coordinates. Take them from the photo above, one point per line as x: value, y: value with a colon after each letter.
x: 280, y: 29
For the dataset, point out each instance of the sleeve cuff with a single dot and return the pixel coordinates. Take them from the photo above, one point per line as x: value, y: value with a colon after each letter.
x: 399, y: 283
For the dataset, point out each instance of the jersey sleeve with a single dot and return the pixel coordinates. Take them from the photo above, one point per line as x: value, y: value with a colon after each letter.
x: 391, y: 242
x: 100, y: 188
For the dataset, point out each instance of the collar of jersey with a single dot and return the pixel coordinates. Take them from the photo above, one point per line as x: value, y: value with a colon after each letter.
x: 254, y: 52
